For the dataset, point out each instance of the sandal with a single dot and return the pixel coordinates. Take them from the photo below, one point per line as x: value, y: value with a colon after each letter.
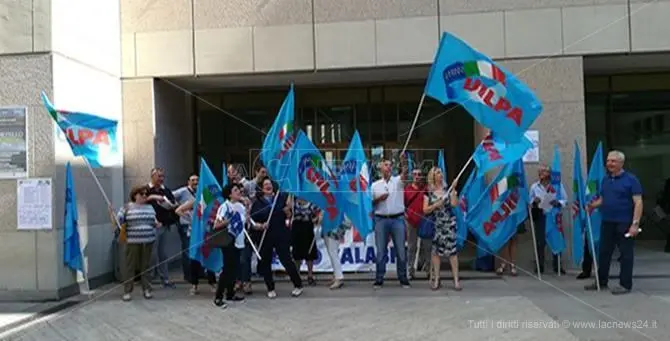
x: 458, y: 287
x: 512, y: 270
x: 501, y: 270
x: 436, y: 284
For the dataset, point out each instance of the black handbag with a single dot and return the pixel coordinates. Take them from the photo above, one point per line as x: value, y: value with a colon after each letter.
x: 219, y: 238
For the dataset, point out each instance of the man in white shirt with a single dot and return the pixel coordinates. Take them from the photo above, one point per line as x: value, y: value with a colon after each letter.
x: 541, y: 191
x: 389, y: 210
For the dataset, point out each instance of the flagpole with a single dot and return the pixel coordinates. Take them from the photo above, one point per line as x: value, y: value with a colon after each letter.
x: 274, y: 203
x: 532, y: 230
x: 593, y: 249
x: 559, y: 264
x: 246, y: 234
x: 109, y: 205
x: 416, y: 118
x: 104, y: 195
x: 453, y: 183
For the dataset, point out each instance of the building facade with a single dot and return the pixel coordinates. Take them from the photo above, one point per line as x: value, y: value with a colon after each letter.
x: 206, y: 77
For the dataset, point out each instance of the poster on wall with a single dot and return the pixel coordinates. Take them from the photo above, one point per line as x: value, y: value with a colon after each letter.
x: 33, y: 204
x: 533, y: 154
x: 13, y: 143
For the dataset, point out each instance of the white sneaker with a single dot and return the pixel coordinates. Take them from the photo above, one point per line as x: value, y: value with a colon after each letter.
x: 272, y: 294
x: 126, y: 297
x: 148, y: 295
x: 296, y: 292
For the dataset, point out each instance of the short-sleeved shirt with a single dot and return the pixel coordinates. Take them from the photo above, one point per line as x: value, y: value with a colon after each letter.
x: 224, y: 212
x: 182, y: 196
x: 617, y: 195
x: 395, y: 202
x: 413, y: 198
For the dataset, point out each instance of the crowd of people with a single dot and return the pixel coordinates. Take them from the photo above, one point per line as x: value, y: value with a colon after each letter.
x: 289, y: 230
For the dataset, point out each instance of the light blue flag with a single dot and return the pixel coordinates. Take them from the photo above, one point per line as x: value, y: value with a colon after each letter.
x: 472, y: 190
x: 311, y: 179
x: 410, y: 165
x: 72, y: 256
x: 493, y: 152
x: 279, y: 140
x: 224, y: 177
x: 90, y: 136
x: 355, y: 189
x: 208, y: 198
x: 578, y: 210
x: 503, y: 206
x: 592, y: 192
x: 492, y: 95
x: 442, y: 166
x: 554, y: 219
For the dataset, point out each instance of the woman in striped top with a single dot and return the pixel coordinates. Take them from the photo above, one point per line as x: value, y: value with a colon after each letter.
x: 140, y: 222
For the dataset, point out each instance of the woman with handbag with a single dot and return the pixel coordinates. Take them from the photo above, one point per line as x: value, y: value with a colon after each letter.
x: 227, y: 235
x: 305, y: 216
x: 438, y: 212
x: 138, y: 231
x: 277, y: 235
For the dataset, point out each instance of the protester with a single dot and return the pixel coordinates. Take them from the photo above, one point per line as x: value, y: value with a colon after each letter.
x: 620, y: 205
x: 305, y: 216
x: 389, y: 213
x: 164, y: 204
x: 413, y: 199
x: 196, y: 269
x: 664, y: 203
x: 250, y: 188
x: 332, y: 240
x: 437, y: 205
x: 539, y: 191
x: 139, y: 220
x: 182, y: 196
x: 226, y: 223
x: 277, y: 236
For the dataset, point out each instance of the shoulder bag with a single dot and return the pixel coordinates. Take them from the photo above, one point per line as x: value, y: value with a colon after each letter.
x: 219, y: 238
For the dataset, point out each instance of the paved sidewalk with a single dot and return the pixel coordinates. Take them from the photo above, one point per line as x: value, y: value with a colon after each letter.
x: 488, y: 308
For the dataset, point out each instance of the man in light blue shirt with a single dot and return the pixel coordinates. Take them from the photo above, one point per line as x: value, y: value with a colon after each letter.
x: 184, y: 195
x: 541, y: 191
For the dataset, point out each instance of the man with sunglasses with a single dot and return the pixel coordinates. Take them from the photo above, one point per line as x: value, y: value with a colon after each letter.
x: 413, y: 197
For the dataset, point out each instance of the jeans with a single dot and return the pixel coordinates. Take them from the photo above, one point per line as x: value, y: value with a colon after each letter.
x: 612, y: 234
x: 159, y: 262
x: 244, y: 270
x: 185, y: 261
x: 396, y: 228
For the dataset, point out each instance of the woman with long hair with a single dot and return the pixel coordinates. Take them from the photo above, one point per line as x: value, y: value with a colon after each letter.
x: 437, y: 205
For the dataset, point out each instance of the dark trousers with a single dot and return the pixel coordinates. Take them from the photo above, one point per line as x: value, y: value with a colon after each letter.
x: 611, y: 235
x: 244, y: 272
x: 231, y: 260
x: 197, y: 271
x: 281, y: 246
x: 185, y: 261
x: 138, y: 259
x: 587, y: 262
x: 540, y: 222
